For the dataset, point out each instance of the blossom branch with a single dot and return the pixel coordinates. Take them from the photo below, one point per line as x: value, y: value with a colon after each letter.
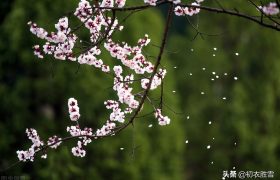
x: 145, y: 94
x: 205, y: 8
x: 101, y: 26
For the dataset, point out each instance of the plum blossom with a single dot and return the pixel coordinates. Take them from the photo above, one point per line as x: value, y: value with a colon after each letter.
x: 156, y: 81
x: 190, y: 11
x: 73, y: 109
x: 101, y: 27
x: 54, y: 141
x: 37, y: 52
x: 84, y: 10
x: 124, y: 92
x: 91, y: 59
x: 60, y: 43
x: 150, y: 2
x: 62, y: 25
x: 28, y: 155
x: 117, y: 115
x: 111, y: 104
x: 34, y: 137
x: 84, y: 136
x: 106, y: 129
x: 120, y: 3
x: 162, y: 120
x: 78, y: 151
x: 74, y: 130
x: 179, y: 11
x: 39, y: 32
x: 131, y: 57
x: 270, y: 9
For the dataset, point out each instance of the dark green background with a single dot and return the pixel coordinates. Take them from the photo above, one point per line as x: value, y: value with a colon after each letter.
x: 34, y: 93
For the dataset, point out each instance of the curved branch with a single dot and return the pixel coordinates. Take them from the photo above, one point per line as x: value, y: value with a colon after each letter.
x: 137, y: 111
x: 205, y: 8
x: 167, y: 25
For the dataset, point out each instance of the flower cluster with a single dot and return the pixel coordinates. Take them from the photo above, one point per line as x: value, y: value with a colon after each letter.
x: 73, y: 109
x: 180, y: 11
x: 79, y: 150
x: 162, y: 120
x: 74, y: 130
x: 121, y: 85
x: 28, y: 155
x: 270, y: 9
x: 190, y: 11
x: 124, y: 92
x: 120, y: 3
x: 156, y: 80
x: 84, y: 10
x: 84, y: 136
x: 60, y: 44
x: 106, y: 129
x: 54, y: 142
x: 111, y: 3
x: 90, y: 58
x: 150, y: 2
x: 101, y: 25
x: 131, y: 57
x: 107, y: 3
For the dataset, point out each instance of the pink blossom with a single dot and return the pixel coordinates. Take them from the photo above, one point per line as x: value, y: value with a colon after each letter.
x: 162, y: 120
x: 120, y: 3
x: 73, y: 109
x: 270, y: 9
x: 54, y: 141
x: 150, y: 2
x: 29, y: 154
x: 78, y: 151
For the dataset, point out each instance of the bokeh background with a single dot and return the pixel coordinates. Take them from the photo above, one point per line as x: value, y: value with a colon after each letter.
x: 244, y: 133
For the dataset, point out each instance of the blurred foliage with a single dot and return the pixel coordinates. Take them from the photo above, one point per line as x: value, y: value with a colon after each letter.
x: 245, y: 126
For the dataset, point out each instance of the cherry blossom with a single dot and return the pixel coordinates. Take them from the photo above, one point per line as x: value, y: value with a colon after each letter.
x: 150, y: 2
x: 54, y: 141
x: 190, y: 11
x: 83, y: 11
x: 74, y: 130
x: 106, y: 129
x: 162, y: 120
x: 78, y: 150
x: 270, y: 9
x: 120, y: 3
x: 61, y: 44
x: 73, y: 109
x: 156, y: 81
x: 133, y: 74
x: 28, y: 155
